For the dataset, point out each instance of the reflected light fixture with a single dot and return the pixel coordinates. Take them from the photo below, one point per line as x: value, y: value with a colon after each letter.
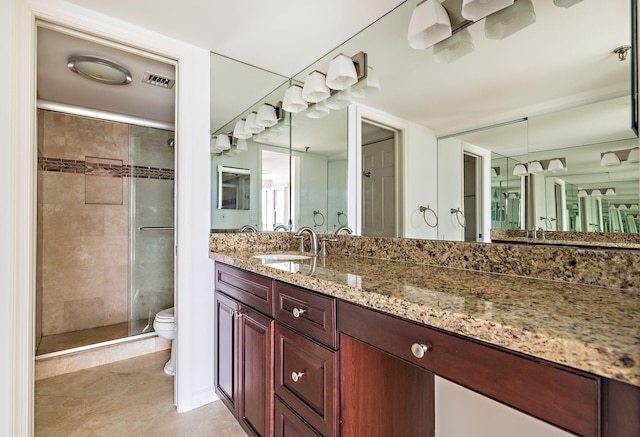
x: 369, y: 84
x: 510, y: 20
x: 318, y: 110
x: 99, y: 69
x: 535, y: 167
x: 429, y: 25
x: 557, y: 164
x: 622, y: 206
x: 315, y: 87
x: 293, y: 101
x: 520, y: 170
x: 634, y: 207
x: 596, y: 192
x: 239, y: 132
x: 453, y: 48
x: 582, y: 193
x: 242, y: 145
x: 342, y: 73
x: 339, y: 100
x: 565, y: 3
x: 609, y: 158
x: 222, y: 142
x: 475, y: 10
x: 610, y: 192
x: 634, y: 155
x: 266, y: 116
x: 250, y: 124
x: 212, y: 145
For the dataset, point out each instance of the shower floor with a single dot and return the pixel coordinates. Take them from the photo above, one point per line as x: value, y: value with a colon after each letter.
x: 85, y: 337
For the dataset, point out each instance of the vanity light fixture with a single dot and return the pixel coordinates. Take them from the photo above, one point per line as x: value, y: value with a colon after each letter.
x: 315, y: 87
x: 453, y: 48
x: 475, y: 10
x: 520, y: 170
x: 369, y: 84
x: 339, y: 100
x: 510, y: 20
x: 610, y: 192
x: 319, y: 110
x: 293, y: 101
x: 212, y: 146
x: 242, y: 145
x: 99, y: 69
x: 535, y: 167
x: 267, y: 116
x: 239, y: 131
x: 634, y: 207
x: 495, y: 172
x: 342, y: 73
x: 565, y: 3
x: 609, y: 158
x: 596, y: 192
x: 429, y: 25
x: 222, y: 142
x: 250, y: 124
x: 634, y: 155
x: 557, y: 164
x: 582, y: 193
x: 622, y: 206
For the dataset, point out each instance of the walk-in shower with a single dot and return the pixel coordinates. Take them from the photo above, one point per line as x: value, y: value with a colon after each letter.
x: 105, y: 247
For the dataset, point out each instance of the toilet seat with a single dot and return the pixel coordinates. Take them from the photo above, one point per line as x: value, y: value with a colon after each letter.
x: 166, y: 316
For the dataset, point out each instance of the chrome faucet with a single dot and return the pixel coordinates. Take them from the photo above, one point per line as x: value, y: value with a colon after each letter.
x: 313, y: 238
x: 346, y: 229
x: 248, y: 228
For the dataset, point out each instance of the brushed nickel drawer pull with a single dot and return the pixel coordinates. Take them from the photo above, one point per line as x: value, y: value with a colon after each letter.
x: 296, y: 376
x: 297, y: 312
x: 419, y: 349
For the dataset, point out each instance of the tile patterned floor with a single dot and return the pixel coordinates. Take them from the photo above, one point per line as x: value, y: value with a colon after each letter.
x: 128, y: 398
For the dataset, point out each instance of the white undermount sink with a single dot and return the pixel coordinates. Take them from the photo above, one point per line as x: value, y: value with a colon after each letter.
x: 280, y: 257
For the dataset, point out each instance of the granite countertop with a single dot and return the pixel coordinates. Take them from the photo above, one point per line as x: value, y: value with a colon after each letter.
x: 585, y: 327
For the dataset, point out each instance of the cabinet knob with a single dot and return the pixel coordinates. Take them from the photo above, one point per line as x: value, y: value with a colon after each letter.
x: 419, y: 349
x: 297, y: 312
x: 296, y: 376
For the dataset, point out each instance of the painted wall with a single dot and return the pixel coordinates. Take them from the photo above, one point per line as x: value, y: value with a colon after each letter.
x: 310, y: 190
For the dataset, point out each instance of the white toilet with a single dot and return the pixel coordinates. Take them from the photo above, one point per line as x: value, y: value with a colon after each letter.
x: 165, y: 326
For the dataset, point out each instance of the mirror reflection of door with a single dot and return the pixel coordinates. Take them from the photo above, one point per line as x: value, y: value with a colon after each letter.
x: 472, y: 174
x: 275, y: 191
x: 378, y: 181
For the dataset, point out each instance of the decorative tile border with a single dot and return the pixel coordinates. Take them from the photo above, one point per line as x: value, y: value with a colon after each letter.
x: 103, y: 169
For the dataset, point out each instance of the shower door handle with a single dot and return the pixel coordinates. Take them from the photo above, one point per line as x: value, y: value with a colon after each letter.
x: 155, y: 228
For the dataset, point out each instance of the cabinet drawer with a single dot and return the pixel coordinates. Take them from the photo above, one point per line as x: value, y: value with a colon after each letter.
x: 288, y: 424
x: 249, y: 288
x: 564, y: 397
x: 306, y: 379
x: 307, y: 312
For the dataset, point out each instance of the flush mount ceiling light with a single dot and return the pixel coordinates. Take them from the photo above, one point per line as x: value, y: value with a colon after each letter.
x: 510, y: 20
x: 342, y: 73
x: 520, y: 170
x: 293, y: 101
x: 250, y: 124
x: 557, y: 164
x: 239, y: 131
x: 475, y: 10
x: 535, y: 167
x: 609, y: 158
x: 565, y: 3
x: 99, y: 69
x: 266, y: 116
x: 315, y: 87
x: 429, y: 25
x: 453, y: 48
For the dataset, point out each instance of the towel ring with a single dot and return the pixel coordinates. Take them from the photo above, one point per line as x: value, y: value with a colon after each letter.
x: 340, y: 214
x: 315, y: 222
x: 424, y: 210
x: 458, y: 212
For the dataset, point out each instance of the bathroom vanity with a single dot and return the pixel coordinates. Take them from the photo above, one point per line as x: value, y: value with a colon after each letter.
x: 350, y: 346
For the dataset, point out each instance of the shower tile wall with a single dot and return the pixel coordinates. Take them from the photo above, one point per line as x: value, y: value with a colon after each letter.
x: 83, y: 247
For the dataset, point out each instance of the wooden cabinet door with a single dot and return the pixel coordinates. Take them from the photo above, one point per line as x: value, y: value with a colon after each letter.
x: 255, y: 372
x: 226, y: 351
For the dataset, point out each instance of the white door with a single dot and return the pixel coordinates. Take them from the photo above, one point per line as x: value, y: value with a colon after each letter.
x: 379, y: 189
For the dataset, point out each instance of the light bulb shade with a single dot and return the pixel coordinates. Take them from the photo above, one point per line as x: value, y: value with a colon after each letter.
x: 535, y: 167
x: 250, y: 124
x: 582, y: 193
x: 475, y: 10
x: 596, y: 192
x: 556, y: 164
x: 318, y: 110
x: 293, y: 101
x: 222, y: 142
x: 339, y: 100
x: 315, y: 88
x: 429, y: 25
x: 453, y: 47
x: 242, y: 145
x: 610, y: 192
x: 266, y: 116
x: 510, y: 20
x: 239, y: 132
x: 520, y: 170
x: 494, y: 172
x: 609, y: 158
x: 342, y: 73
x: 565, y: 3
x: 622, y: 206
x: 212, y: 146
x: 634, y: 207
x: 634, y: 155
x: 369, y: 84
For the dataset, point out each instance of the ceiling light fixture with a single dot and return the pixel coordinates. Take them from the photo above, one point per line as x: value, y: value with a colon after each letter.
x: 315, y: 87
x: 510, y: 20
x: 293, y: 101
x: 475, y: 10
x: 99, y: 69
x: 429, y: 25
x: 342, y: 73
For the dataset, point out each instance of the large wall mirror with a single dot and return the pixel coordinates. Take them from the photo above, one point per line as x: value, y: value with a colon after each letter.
x: 452, y: 131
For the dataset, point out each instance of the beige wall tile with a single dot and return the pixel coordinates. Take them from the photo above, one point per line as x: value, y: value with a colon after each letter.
x: 83, y: 282
x: 82, y: 314
x: 116, y: 294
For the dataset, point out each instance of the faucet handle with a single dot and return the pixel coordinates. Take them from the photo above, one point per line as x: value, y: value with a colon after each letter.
x: 301, y: 246
x: 324, y: 241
